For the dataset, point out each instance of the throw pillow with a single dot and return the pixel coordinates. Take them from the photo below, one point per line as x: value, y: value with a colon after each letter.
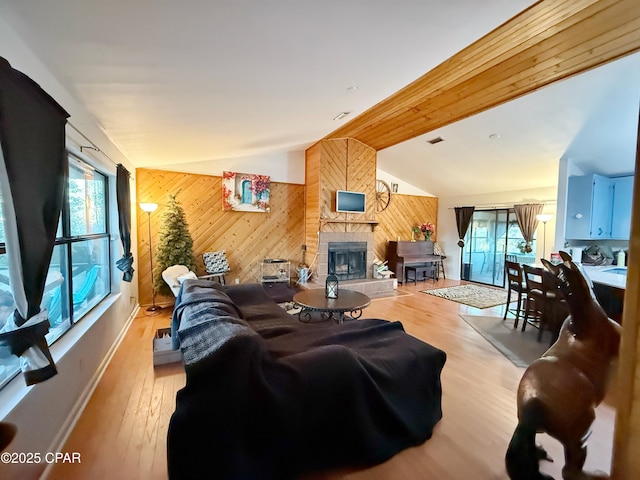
x: 215, y: 262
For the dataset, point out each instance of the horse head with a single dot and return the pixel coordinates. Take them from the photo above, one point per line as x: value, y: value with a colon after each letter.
x: 577, y: 290
x: 574, y: 283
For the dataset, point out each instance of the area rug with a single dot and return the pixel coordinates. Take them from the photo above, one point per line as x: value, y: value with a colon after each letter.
x: 472, y: 295
x: 520, y: 347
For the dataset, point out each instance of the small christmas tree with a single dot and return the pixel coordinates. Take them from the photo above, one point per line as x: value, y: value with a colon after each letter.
x: 175, y: 246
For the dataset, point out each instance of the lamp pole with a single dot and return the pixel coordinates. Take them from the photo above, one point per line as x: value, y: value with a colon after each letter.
x: 544, y: 218
x: 151, y: 207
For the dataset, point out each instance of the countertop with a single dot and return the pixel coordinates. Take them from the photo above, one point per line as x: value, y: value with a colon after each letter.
x: 606, y: 275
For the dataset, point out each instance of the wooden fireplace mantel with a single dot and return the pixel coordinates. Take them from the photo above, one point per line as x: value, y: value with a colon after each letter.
x: 325, y: 221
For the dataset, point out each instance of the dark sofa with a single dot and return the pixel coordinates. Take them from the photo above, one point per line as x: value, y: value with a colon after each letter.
x: 269, y: 397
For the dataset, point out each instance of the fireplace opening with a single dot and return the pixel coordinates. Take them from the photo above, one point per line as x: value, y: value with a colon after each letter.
x: 348, y: 260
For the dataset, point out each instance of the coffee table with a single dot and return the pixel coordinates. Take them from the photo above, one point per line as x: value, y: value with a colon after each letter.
x: 349, y: 304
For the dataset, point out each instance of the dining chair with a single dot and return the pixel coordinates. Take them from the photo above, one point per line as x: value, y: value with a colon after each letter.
x: 533, y: 280
x: 544, y: 301
x: 515, y: 283
x: 556, y: 309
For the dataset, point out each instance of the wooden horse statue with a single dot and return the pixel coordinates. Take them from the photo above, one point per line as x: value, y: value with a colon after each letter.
x: 559, y: 391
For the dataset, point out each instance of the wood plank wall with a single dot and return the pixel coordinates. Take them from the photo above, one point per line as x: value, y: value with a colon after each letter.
x: 246, y: 237
x: 337, y: 164
x: 626, y: 462
x: 403, y: 213
x: 249, y: 237
x: 312, y: 201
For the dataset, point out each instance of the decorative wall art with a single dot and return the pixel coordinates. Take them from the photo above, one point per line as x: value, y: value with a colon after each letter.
x: 245, y: 192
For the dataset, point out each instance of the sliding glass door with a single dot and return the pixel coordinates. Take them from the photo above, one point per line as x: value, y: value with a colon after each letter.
x: 492, y: 235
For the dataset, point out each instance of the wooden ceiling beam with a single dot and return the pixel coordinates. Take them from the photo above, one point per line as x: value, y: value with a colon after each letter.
x: 547, y: 42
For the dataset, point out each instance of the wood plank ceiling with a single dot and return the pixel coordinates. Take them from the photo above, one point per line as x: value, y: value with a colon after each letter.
x: 550, y: 41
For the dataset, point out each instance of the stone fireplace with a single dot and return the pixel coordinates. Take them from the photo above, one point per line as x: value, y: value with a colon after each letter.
x: 341, y: 164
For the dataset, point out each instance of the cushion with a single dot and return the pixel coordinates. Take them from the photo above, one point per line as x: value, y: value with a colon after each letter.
x: 215, y: 262
x: 188, y: 275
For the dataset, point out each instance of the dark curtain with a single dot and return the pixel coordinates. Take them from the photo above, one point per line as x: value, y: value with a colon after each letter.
x: 527, y: 221
x: 33, y: 175
x: 463, y: 219
x: 123, y: 196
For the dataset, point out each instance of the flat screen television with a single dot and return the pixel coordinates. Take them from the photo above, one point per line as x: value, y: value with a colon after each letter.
x: 350, y: 202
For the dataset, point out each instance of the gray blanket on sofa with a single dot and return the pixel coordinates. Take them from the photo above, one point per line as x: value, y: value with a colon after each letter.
x: 268, y: 397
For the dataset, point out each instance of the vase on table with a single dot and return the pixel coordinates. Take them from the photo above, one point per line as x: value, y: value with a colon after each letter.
x: 427, y: 236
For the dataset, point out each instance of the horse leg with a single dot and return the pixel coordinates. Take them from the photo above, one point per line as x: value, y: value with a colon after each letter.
x: 523, y: 455
x: 543, y: 454
x: 575, y: 456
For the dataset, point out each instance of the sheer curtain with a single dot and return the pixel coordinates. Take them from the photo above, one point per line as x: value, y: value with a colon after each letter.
x: 527, y: 221
x: 33, y: 178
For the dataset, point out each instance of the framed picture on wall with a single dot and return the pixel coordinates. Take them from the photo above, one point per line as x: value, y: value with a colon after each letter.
x: 245, y: 192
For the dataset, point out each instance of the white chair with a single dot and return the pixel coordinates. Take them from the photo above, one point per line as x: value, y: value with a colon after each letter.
x: 175, y: 275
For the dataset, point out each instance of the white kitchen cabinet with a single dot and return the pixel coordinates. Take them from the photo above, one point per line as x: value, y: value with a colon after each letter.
x: 622, y: 200
x: 589, y: 207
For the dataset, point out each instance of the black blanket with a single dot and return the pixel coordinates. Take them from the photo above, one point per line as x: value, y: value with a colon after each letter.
x: 268, y: 397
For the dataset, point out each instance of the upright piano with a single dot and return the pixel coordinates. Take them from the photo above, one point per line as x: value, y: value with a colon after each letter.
x: 403, y: 253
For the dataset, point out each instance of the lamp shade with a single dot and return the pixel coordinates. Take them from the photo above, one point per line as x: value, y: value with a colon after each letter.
x: 544, y: 217
x: 148, y: 207
x: 331, y: 286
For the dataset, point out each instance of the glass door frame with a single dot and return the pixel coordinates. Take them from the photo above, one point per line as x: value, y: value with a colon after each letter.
x: 493, y: 247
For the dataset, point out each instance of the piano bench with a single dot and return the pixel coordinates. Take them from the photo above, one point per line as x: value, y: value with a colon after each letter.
x: 418, y: 270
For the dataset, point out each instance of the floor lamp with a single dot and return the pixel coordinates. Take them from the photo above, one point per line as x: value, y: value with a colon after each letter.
x: 544, y: 218
x: 151, y: 207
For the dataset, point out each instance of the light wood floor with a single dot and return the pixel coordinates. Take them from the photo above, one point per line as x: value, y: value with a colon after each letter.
x: 122, y: 432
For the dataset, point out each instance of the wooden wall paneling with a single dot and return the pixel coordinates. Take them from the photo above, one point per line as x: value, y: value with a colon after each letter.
x: 470, y: 80
x: 626, y: 462
x: 342, y: 164
x: 155, y: 186
x: 403, y: 212
x: 361, y: 175
x: 547, y: 42
x: 246, y: 237
x: 333, y: 171
x: 477, y: 93
x: 312, y: 200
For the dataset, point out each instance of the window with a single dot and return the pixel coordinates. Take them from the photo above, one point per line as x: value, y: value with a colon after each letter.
x: 79, y: 275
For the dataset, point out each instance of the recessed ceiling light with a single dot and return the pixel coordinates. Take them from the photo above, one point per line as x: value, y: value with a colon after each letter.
x: 341, y: 115
x: 352, y: 88
x: 433, y: 141
x: 495, y: 136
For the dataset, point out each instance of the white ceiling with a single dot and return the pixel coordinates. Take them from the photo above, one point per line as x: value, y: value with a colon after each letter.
x: 201, y: 80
